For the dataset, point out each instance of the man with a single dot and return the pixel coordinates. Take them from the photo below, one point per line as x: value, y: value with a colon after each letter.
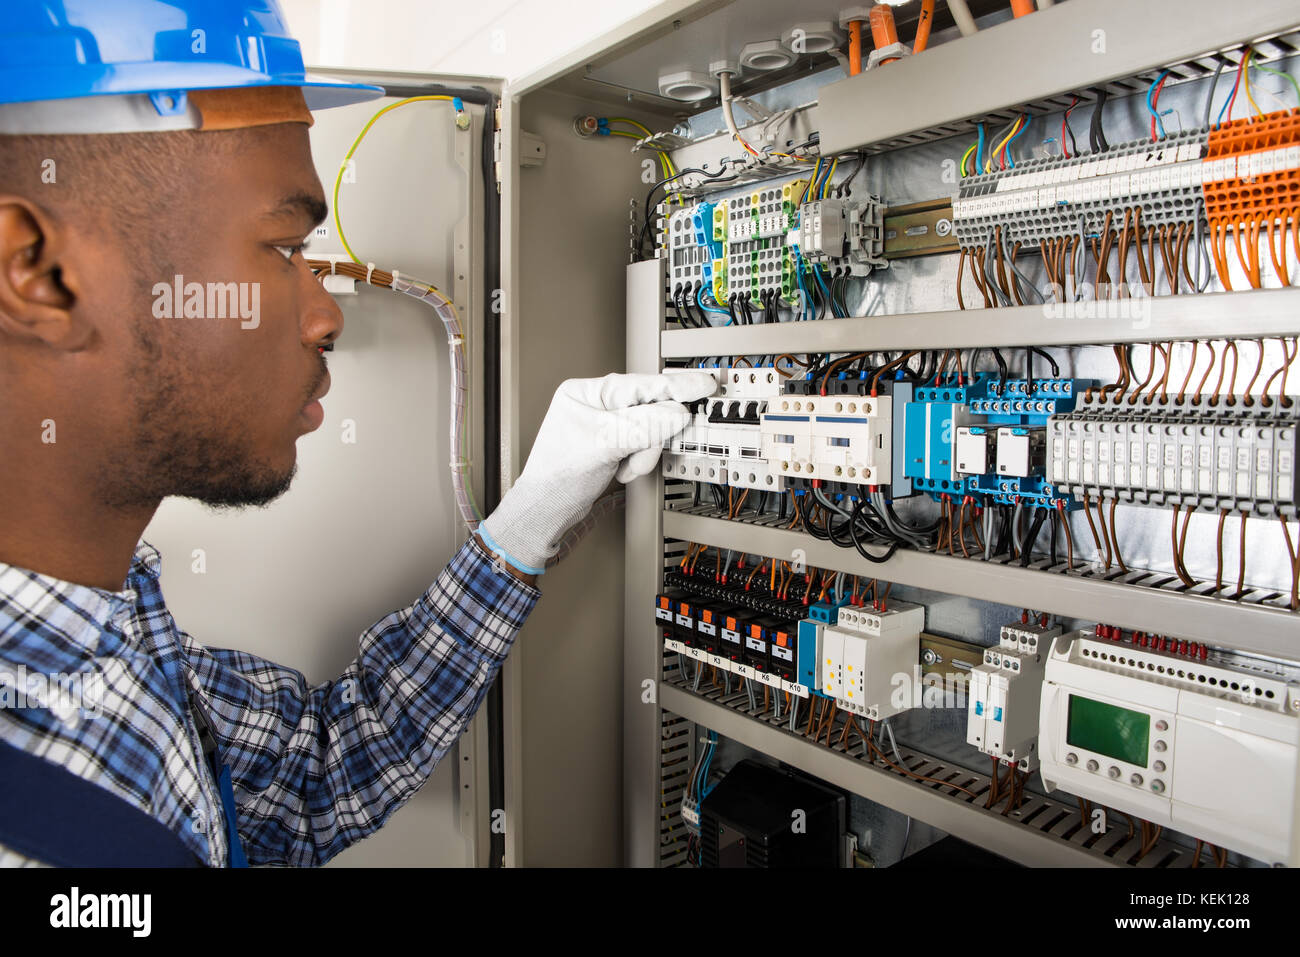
x: 141, y: 141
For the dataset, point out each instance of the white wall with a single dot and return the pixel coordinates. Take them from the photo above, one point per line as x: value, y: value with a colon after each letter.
x: 506, y: 38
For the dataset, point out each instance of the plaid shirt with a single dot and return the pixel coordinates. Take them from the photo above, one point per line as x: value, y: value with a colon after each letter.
x: 314, y: 769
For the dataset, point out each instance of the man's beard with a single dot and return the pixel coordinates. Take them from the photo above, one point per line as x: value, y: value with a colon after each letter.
x: 172, y: 454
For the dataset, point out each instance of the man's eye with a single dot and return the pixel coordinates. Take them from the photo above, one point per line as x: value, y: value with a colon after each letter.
x: 288, y: 252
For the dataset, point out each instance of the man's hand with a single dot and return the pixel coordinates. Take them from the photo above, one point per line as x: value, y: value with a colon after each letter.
x: 595, y: 430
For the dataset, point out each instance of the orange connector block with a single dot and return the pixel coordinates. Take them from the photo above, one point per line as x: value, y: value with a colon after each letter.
x: 1255, y: 189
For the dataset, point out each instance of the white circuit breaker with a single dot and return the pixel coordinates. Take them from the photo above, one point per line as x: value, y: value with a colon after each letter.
x: 1002, y: 706
x: 867, y: 657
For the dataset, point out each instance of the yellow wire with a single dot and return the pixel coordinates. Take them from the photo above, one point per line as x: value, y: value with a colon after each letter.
x: 665, y: 164
x: 631, y: 122
x: 1015, y: 128
x: 826, y: 186
x: 338, y: 222
x: 1250, y: 96
x: 811, y: 179
x: 966, y: 156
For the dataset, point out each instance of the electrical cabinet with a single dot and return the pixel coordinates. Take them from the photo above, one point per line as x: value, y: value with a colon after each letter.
x: 938, y: 345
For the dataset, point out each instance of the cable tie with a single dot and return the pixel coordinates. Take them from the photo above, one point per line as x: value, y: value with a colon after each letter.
x: 370, y: 268
x: 396, y: 274
x: 334, y: 264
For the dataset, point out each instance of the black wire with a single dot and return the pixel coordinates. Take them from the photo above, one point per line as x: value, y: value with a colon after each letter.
x: 843, y: 189
x: 805, y: 513
x: 1029, y: 371
x: 1096, y: 133
x: 1027, y: 545
x: 690, y: 295
x: 1003, y: 525
x: 719, y: 177
x: 1052, y: 540
x: 1074, y: 145
x: 857, y: 542
x: 1001, y: 360
x: 1056, y: 370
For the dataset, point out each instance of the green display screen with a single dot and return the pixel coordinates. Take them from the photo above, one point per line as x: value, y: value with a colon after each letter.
x: 1105, y: 729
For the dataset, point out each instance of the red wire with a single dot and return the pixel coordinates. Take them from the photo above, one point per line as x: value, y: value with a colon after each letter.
x: 1007, y: 142
x: 1065, y: 129
x: 1155, y: 104
x: 1233, y: 99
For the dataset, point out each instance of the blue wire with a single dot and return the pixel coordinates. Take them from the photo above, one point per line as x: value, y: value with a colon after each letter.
x: 806, y: 299
x: 699, y: 298
x: 979, y: 153
x: 817, y: 273
x: 825, y: 179
x: 1011, y: 163
x: 1160, y: 124
x: 1223, y: 109
x: 713, y: 744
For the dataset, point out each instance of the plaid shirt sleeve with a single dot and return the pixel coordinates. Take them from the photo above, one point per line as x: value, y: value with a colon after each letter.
x: 316, y: 769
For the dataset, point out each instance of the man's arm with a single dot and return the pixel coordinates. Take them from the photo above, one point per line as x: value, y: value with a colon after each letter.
x: 317, y: 769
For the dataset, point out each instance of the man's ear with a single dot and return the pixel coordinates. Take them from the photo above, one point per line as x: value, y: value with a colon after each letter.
x: 36, y: 303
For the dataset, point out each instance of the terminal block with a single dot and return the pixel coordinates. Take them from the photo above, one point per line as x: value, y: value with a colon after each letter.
x: 1190, y: 454
x: 866, y: 654
x: 687, y: 258
x: 1005, y: 689
x: 845, y: 235
x: 1056, y: 198
x: 712, y: 629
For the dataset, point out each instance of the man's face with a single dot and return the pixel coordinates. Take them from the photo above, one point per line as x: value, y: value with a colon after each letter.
x: 208, y: 407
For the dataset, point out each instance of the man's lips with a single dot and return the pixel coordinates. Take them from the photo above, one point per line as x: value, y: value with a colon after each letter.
x: 313, y: 413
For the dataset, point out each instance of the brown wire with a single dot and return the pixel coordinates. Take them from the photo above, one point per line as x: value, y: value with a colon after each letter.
x: 1164, y: 382
x: 1173, y: 546
x: 1191, y: 367
x: 1126, y: 237
x: 1182, y: 547
x: 1164, y: 359
x: 1114, y: 539
x: 1012, y: 277
x: 1218, y: 574
x: 961, y: 269
x: 1228, y: 346
x: 1247, y: 399
x: 1200, y: 387
x: 1151, y: 371
x: 1105, y: 538
x: 1293, y: 552
x: 1241, y: 567
x: 912, y: 774
x: 1069, y: 538
x: 1087, y: 511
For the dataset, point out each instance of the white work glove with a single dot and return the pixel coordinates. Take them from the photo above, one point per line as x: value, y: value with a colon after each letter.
x: 595, y: 430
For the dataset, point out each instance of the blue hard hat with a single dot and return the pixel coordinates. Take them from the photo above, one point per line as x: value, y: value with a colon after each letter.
x: 60, y: 49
